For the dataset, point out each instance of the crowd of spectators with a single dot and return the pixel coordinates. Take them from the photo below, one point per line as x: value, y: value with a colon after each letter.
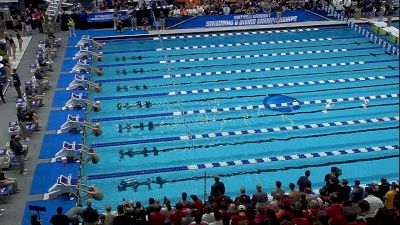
x: 336, y: 203
x: 225, y: 7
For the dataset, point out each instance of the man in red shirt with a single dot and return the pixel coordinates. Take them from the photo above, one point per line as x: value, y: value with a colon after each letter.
x: 239, y: 217
x: 38, y: 19
x: 176, y: 216
x: 336, y: 207
x: 197, y: 203
x: 157, y: 217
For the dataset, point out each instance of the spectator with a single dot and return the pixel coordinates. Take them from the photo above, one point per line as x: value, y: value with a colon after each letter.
x: 242, y: 198
x: 304, y: 181
x: 167, y: 210
x: 109, y: 216
x: 12, y: 182
x: 90, y: 215
x: 157, y: 217
x: 375, y: 203
x: 197, y: 220
x: 115, y: 18
x: 197, y: 204
x: 38, y: 20
x: 59, y: 219
x: 121, y: 219
x: 187, y: 219
x: 71, y: 27
x: 16, y: 83
x: 177, y: 215
x: 344, y: 190
x: 208, y: 215
x: 236, y: 219
x: 294, y: 195
x: 19, y: 153
x: 74, y: 214
x: 2, y: 82
x: 390, y: 196
x: 185, y: 203
x: 259, y: 196
x: 365, y: 215
x: 20, y: 41
x: 384, y: 187
x: 299, y: 219
x: 35, y: 220
x: 28, y: 25
x: 217, y: 189
x: 357, y: 193
x: 145, y: 24
x: 335, y: 208
x: 278, y: 190
x: 217, y: 219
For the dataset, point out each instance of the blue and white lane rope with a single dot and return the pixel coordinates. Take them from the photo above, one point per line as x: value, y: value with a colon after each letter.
x: 254, y: 43
x: 251, y: 87
x: 240, y: 108
x: 264, y: 55
x: 245, y: 162
x: 234, y: 34
x: 350, y: 99
x: 267, y: 69
x: 290, y: 84
x: 245, y: 132
x: 228, y: 72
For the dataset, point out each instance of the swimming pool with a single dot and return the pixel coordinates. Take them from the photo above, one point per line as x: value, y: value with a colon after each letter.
x: 245, y: 105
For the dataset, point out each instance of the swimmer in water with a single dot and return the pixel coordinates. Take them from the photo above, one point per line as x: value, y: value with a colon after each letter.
x: 92, y: 156
x: 96, y: 106
x: 329, y: 105
x: 91, y: 192
x: 96, y: 130
x: 365, y: 104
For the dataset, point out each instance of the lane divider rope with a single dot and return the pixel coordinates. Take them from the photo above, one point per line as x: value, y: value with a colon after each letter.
x: 246, y: 162
x: 234, y: 34
x: 245, y: 132
x: 240, y: 108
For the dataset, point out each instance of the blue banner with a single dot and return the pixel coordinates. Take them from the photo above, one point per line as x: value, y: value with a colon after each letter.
x: 244, y: 20
x: 101, y: 17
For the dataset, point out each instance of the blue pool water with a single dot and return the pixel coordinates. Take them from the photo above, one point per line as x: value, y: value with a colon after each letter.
x: 248, y: 107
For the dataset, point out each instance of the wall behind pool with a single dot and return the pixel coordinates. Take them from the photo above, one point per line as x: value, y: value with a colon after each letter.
x: 240, y: 20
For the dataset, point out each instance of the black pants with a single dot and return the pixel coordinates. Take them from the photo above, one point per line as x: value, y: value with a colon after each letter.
x: 1, y: 94
x: 18, y: 90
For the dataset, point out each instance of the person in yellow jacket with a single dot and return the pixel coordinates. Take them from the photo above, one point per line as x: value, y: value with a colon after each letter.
x: 71, y: 27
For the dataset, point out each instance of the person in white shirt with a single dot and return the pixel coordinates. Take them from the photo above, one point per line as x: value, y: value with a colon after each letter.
x: 375, y: 203
x: 177, y: 13
x: 208, y: 215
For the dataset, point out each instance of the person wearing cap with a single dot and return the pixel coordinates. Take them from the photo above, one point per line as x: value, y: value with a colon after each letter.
x: 375, y: 203
x: 96, y: 130
x: 89, y: 214
x: 241, y: 216
x: 390, y: 196
x: 16, y: 82
x: 92, y: 192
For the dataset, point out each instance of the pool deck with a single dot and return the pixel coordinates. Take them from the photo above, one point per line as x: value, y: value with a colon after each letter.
x: 15, y: 207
